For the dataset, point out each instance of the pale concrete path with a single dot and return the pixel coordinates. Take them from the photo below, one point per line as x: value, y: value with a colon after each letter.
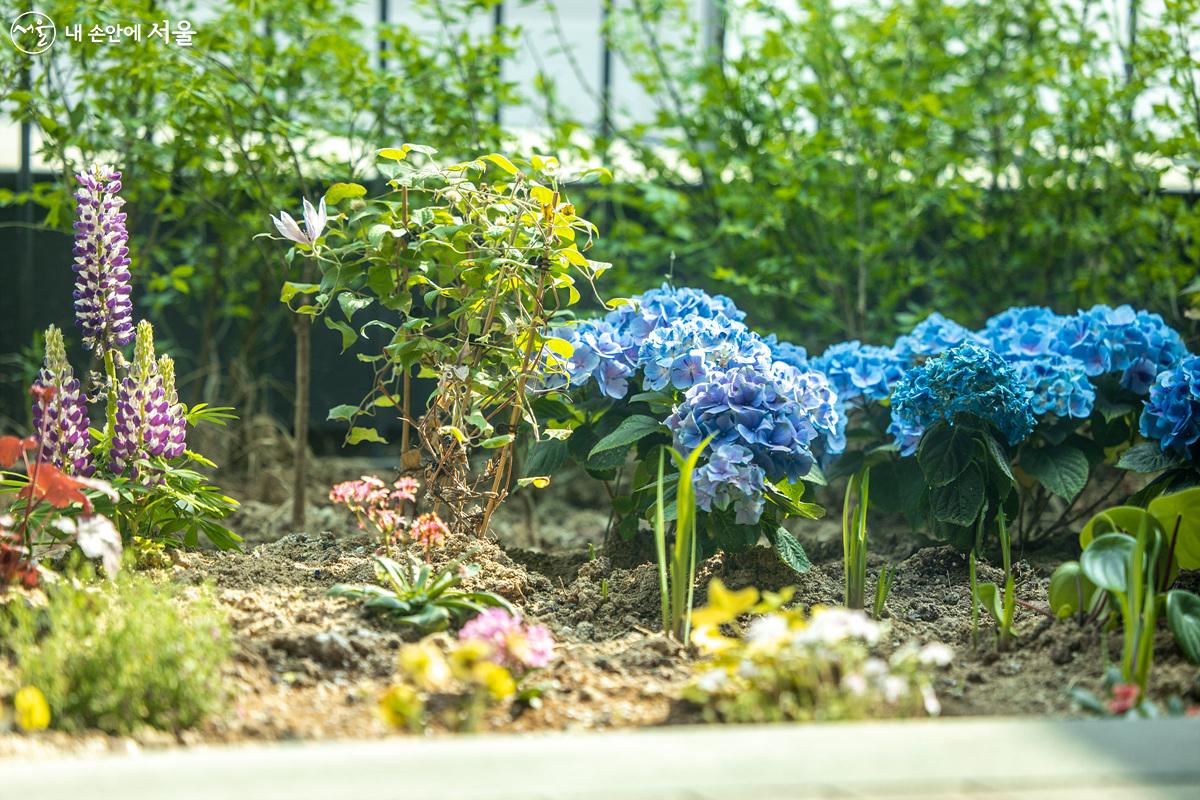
x: 934, y: 760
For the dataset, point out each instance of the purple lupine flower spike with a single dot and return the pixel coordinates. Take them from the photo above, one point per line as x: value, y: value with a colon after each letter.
x: 176, y: 442
x: 64, y: 419
x: 143, y: 425
x: 103, y: 308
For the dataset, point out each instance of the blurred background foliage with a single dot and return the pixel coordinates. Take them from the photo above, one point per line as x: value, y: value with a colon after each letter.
x: 839, y: 169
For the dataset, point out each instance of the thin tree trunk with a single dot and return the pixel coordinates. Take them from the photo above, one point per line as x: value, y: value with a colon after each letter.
x: 300, y: 421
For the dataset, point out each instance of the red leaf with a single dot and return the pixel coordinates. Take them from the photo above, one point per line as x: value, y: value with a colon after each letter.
x: 51, y: 484
x: 11, y: 448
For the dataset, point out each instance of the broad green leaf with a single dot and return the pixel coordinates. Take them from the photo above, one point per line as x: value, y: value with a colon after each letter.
x: 1105, y: 562
x: 291, y: 289
x: 944, y: 453
x: 349, y: 335
x: 790, y: 551
x: 1123, y: 519
x: 1070, y: 592
x: 1147, y: 457
x: 960, y: 502
x: 1062, y: 469
x: 496, y: 442
x: 1183, y: 506
x: 631, y: 430
x: 344, y: 412
x: 357, y: 435
x: 545, y: 457
x: 1183, y: 617
x: 344, y: 191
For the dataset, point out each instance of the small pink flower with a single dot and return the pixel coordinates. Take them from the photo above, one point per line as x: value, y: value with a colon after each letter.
x: 515, y: 644
x: 1124, y: 698
x: 429, y: 531
x: 406, y: 489
x: 372, y: 501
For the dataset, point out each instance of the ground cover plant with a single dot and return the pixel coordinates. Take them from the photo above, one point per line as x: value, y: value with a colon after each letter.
x: 120, y: 656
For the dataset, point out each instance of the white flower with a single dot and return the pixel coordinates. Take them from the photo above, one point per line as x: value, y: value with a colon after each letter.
x: 932, y: 706
x: 834, y: 625
x: 895, y: 689
x: 712, y: 681
x: 314, y: 224
x: 935, y: 654
x: 855, y: 684
x: 98, y: 538
x: 767, y: 632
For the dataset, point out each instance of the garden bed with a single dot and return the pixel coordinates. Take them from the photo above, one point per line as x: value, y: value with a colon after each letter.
x: 307, y: 666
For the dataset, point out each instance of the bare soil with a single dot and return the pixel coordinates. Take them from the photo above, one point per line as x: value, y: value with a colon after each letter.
x: 308, y: 666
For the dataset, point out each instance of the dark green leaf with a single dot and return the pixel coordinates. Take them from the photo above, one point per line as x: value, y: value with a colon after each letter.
x: 1061, y: 468
x: 790, y: 551
x: 1147, y: 457
x: 960, y: 502
x: 944, y: 453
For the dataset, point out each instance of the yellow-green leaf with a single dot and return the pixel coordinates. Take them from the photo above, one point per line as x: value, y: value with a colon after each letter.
x: 344, y: 191
x: 502, y: 162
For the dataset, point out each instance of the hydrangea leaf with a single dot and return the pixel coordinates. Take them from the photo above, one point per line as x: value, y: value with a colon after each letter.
x: 1062, y: 469
x: 1147, y: 457
x: 631, y: 430
x: 960, y: 502
x: 790, y: 551
x: 545, y: 457
x: 944, y: 453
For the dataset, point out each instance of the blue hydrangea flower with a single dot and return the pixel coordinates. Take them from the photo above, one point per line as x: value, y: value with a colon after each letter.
x: 730, y: 476
x: 968, y: 379
x: 933, y: 335
x: 788, y: 353
x: 683, y: 353
x: 1137, y: 344
x: 775, y: 421
x: 600, y: 353
x: 861, y: 370
x: 1058, y: 385
x: 1023, y: 331
x: 1172, y: 412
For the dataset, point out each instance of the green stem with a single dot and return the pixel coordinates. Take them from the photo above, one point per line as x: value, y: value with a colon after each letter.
x: 974, y: 601
x: 1009, y: 585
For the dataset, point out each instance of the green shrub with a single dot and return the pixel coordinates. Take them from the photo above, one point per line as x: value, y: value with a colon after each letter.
x: 120, y: 656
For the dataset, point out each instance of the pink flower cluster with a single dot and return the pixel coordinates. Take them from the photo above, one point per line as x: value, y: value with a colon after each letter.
x: 515, y: 644
x: 383, y: 507
x: 429, y: 531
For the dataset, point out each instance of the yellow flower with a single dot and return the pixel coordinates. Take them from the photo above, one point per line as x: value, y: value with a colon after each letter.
x: 724, y: 605
x: 425, y: 665
x: 32, y: 710
x: 465, y: 655
x: 401, y: 706
x: 496, y: 679
x: 708, y: 639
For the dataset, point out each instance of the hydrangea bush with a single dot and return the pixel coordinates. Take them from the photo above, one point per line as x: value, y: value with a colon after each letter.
x: 1053, y: 395
x: 680, y: 366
